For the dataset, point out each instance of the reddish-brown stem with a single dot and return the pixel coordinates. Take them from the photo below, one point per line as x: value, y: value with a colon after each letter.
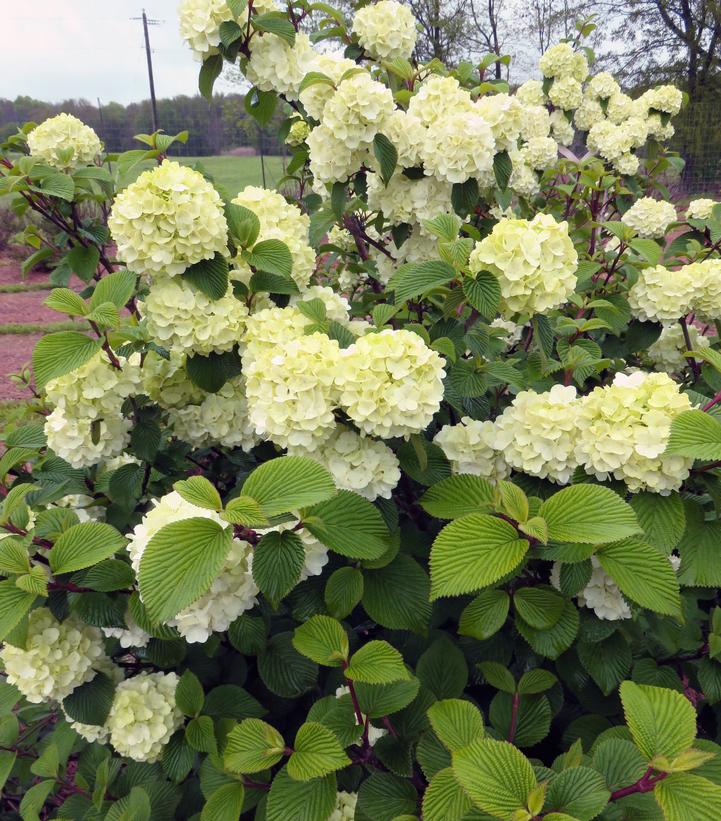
x: 687, y: 342
x: 644, y: 784
x: 354, y: 697
x: 515, y: 705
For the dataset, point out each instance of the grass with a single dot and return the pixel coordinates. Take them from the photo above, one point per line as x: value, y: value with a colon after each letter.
x: 234, y: 173
x: 39, y: 328
x: 22, y: 287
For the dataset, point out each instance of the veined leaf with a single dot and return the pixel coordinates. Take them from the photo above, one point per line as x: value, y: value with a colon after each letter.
x: 84, y: 545
x: 288, y: 483
x: 60, y: 353
x: 323, y: 640
x: 588, y: 514
x: 252, y: 746
x: 316, y: 752
x: 377, y: 662
x: 695, y: 434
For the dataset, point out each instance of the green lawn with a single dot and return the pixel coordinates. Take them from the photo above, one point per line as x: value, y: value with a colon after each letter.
x: 234, y: 173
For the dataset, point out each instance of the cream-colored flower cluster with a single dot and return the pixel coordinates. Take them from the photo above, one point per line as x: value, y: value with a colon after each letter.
x: 535, y: 262
x: 391, y: 383
x: 650, y: 218
x: 187, y: 321
x: 471, y: 447
x: 700, y: 209
x: 356, y: 463
x: 357, y: 111
x: 386, y: 30
x: 86, y: 425
x: 232, y: 592
x: 64, y: 142
x: 345, y: 807
x: 283, y: 221
x: 168, y: 219
x: 601, y: 594
x: 297, y: 133
x: 410, y: 201
x: 666, y: 353
x: 623, y: 430
x: 536, y: 433
x: 144, y: 715
x: 166, y: 382
x: 58, y: 656
x: 200, y: 22
x: 275, y: 65
x: 662, y: 295
x: 132, y: 635
x: 333, y: 65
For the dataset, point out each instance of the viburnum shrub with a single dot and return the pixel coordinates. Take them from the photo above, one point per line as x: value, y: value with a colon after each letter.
x: 392, y: 496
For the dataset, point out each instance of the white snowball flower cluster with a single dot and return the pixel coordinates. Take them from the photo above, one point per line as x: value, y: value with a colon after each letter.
x: 391, y: 383
x: 132, y: 635
x: 166, y: 382
x: 181, y: 317
x: 662, y: 295
x: 458, y: 147
x: 650, y: 218
x: 566, y: 93
x: 291, y: 390
x: 232, y: 592
x: 330, y: 159
x: 356, y: 463
x: 615, y: 142
x: 436, y: 97
x: 561, y: 61
x: 471, y: 448
x: 406, y: 200
x: 407, y: 133
x: 531, y: 93
x: 666, y: 99
x: 275, y: 65
x: 168, y: 219
x: 666, y: 353
x: 386, y: 30
x: 561, y: 129
x: 535, y: 262
x: 87, y: 425
x: 58, y: 657
x: 536, y: 433
x: 358, y: 110
x: 144, y: 715
x: 602, y: 86
x: 601, y: 594
x: 297, y: 133
x: 269, y: 329
x: 700, y: 209
x: 336, y: 306
x: 283, y: 221
x: 504, y: 115
x: 345, y: 807
x: 200, y: 22
x: 64, y: 142
x: 219, y: 418
x: 623, y: 430
x: 334, y: 65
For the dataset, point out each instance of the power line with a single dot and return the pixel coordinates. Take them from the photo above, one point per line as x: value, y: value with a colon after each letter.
x: 148, y: 54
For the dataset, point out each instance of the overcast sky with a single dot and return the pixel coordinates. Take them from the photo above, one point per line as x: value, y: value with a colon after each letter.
x: 58, y: 49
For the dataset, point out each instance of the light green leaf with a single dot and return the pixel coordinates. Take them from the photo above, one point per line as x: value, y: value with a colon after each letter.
x: 244, y: 511
x: 377, y: 663
x: 60, y: 353
x: 116, y: 288
x: 66, y: 301
x: 180, y: 563
x: 316, y: 752
x: 224, y: 804
x: 536, y: 681
x: 496, y: 776
x: 551, y: 643
x: 252, y: 746
x: 472, y: 552
x: 199, y: 492
x: 271, y: 255
x: 323, y: 640
x: 483, y: 293
x: 277, y: 564
x: 350, y: 525
x: 695, y: 434
x: 457, y: 723
x: 83, y: 545
x: 200, y: 734
x: 458, y: 496
x: 588, y: 514
x: 541, y: 606
x: 662, y: 518
x: 444, y: 799
x: 343, y: 591
x: 415, y: 278
x: 498, y: 676
x: 662, y: 722
x: 579, y: 792
x: 189, y: 695
x: 683, y: 797
x: 485, y: 615
x: 643, y: 574
x: 275, y: 23
x: 288, y: 483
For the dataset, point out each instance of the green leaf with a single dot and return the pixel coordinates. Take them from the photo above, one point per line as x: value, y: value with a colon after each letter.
x: 66, y: 301
x: 209, y: 72
x: 199, y: 492
x: 83, y: 545
x: 643, y: 574
x: 502, y: 169
x: 212, y: 372
x: 662, y: 518
x: 498, y: 676
x: 619, y: 761
x: 464, y: 196
x: 457, y: 723
x: 647, y: 248
x: 496, y: 776
x: 302, y: 801
x: 415, y: 278
x: 277, y: 564
x: 444, y: 799
x: 485, y: 615
x: 243, y: 224
x: 27, y: 436
x: 458, y: 496
x: 272, y: 256
x: 579, y: 792
x: 209, y: 276
x: 189, y: 695
x: 472, y: 552
x: 200, y: 734
x: 116, y: 288
x: 683, y: 796
x: 60, y: 353
x: 384, y: 796
x: 180, y: 563
x: 343, y: 591
x: 483, y: 293
x: 275, y: 23
x: 536, y: 681
x: 695, y: 434
x: 323, y: 640
x: 288, y: 483
x: 551, y: 643
x: 7, y: 762
x: 608, y: 662
x: 350, y: 525
x: 377, y: 663
x: 225, y: 803
x: 253, y: 746
x: 396, y: 596
x: 244, y: 511
x: 90, y: 703
x: 316, y: 753
x: 229, y: 32
x: 83, y: 261
x: 442, y: 669
x: 541, y: 606
x: 387, y: 156
x: 662, y: 722
x: 588, y: 514
x: 283, y: 670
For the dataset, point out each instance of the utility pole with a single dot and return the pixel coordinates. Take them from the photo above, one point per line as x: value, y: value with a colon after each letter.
x: 148, y: 54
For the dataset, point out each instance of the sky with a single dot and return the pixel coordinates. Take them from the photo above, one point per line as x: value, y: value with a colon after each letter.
x: 58, y: 49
